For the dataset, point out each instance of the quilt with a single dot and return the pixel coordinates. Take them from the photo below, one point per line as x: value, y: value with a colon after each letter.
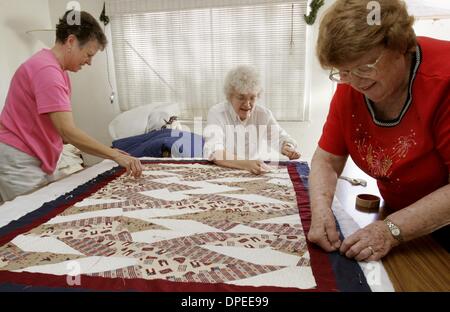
x: 183, y: 226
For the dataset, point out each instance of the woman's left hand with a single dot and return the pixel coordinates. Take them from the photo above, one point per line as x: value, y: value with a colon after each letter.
x: 370, y: 243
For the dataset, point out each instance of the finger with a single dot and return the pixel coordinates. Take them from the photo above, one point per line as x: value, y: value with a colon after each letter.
x: 288, y: 152
x: 296, y: 155
x: 264, y: 167
x: 332, y: 235
x: 128, y: 169
x: 134, y: 169
x: 139, y: 167
x: 355, y: 249
x: 321, y: 240
x: 348, y: 242
x: 319, y: 236
x: 326, y: 244
x: 374, y: 257
x: 364, y: 254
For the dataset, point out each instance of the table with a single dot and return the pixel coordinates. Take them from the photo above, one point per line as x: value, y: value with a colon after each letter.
x: 418, y: 265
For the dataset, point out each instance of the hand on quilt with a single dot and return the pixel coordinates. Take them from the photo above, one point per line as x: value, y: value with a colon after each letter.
x: 289, y: 151
x: 256, y: 166
x: 323, y: 230
x: 131, y: 164
x: 370, y: 243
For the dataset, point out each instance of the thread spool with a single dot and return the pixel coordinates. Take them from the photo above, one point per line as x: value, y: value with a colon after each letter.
x: 367, y: 202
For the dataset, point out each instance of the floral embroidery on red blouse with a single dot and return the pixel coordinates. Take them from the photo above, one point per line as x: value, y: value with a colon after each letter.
x: 379, y: 159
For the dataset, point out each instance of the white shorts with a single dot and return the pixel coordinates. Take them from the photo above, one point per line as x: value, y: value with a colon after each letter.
x: 20, y: 173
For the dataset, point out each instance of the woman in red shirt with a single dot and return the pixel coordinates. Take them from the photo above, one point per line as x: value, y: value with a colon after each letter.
x: 391, y: 114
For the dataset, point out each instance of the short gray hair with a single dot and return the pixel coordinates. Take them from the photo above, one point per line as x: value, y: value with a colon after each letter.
x: 243, y: 79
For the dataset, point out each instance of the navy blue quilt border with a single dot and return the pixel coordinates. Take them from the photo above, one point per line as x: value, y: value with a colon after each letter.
x: 341, y: 265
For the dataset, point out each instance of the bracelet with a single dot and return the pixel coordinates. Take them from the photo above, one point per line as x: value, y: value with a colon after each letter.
x: 394, y: 229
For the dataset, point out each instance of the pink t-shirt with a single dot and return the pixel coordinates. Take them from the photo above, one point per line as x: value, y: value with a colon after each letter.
x: 38, y: 87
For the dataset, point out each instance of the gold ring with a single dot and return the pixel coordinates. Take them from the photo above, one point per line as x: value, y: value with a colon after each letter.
x: 371, y: 250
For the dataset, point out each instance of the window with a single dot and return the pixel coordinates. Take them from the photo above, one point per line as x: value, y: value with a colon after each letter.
x: 182, y: 55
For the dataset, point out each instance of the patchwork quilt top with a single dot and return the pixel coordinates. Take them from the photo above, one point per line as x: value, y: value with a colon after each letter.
x: 183, y: 226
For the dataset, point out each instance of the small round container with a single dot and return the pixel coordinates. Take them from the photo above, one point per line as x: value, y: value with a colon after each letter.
x: 367, y: 202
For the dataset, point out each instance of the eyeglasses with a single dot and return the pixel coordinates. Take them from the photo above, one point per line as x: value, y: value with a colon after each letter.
x: 244, y: 98
x: 363, y: 71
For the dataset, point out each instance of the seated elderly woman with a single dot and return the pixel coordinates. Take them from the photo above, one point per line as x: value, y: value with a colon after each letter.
x: 253, y: 126
x: 391, y: 114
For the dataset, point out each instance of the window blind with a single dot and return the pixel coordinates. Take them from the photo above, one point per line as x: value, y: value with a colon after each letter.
x: 183, y: 56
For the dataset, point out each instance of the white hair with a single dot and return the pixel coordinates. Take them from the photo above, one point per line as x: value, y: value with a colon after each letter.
x: 243, y: 79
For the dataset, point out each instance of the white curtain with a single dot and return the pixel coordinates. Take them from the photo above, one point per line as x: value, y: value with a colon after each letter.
x: 167, y: 54
x: 120, y: 7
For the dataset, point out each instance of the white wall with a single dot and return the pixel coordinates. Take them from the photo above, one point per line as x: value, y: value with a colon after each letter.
x: 17, y: 17
x: 439, y: 29
x: 319, y: 92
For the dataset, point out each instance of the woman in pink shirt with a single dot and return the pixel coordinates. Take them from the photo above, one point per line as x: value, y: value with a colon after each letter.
x: 37, y: 116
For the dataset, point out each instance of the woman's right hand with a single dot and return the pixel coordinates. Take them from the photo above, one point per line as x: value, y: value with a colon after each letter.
x: 323, y: 230
x: 130, y: 163
x: 256, y: 167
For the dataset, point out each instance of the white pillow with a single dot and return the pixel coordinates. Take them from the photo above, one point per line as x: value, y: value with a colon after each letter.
x: 134, y: 121
x: 158, y: 118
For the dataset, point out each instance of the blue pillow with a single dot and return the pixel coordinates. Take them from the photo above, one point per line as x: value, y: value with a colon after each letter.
x: 160, y: 143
